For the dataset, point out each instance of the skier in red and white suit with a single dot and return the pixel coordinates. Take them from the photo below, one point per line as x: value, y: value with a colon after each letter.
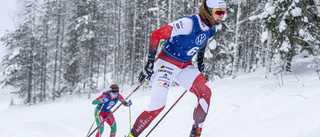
x: 185, y: 37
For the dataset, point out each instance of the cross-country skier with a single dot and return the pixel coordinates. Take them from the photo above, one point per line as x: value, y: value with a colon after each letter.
x: 108, y: 99
x: 185, y: 37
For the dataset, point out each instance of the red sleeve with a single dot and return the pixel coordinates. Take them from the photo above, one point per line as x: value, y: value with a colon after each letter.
x: 162, y: 33
x: 121, y: 99
x: 101, y: 97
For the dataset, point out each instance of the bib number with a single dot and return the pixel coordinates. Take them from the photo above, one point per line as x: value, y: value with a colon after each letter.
x: 192, y: 51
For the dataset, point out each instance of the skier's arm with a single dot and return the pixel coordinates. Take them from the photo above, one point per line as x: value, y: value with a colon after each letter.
x: 123, y: 102
x: 200, y: 55
x: 98, y: 100
x: 200, y: 58
x: 162, y: 33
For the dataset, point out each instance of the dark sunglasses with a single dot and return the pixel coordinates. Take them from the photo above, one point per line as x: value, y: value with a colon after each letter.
x: 219, y: 11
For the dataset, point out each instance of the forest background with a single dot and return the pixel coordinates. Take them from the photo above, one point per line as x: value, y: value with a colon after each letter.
x: 63, y: 47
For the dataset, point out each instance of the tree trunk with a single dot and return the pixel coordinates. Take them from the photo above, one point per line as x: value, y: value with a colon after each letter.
x: 253, y: 56
x: 170, y: 11
x: 92, y: 51
x: 290, y: 55
x: 236, y: 57
x: 106, y: 56
x: 119, y: 44
x: 30, y: 72
x: 62, y: 14
x: 133, y: 57
x: 270, y: 50
x: 105, y: 69
x: 174, y: 10
x: 158, y: 15
x: 115, y: 44
x: 57, y: 43
x: 45, y: 55
x: 123, y: 42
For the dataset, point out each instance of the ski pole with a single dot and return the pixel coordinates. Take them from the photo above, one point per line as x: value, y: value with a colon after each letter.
x: 95, y: 119
x: 166, y: 113
x: 130, y: 115
x: 117, y: 108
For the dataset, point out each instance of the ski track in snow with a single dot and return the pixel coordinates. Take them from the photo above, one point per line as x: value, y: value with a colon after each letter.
x: 248, y: 106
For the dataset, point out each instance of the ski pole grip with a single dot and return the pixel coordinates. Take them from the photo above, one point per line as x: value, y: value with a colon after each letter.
x: 142, y: 82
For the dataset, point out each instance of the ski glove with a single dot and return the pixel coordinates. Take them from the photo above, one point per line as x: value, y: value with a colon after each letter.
x: 147, y: 72
x: 201, y: 67
x: 129, y: 103
x: 104, y: 100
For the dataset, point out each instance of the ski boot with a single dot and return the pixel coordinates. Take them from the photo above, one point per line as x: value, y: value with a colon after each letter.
x: 195, y: 132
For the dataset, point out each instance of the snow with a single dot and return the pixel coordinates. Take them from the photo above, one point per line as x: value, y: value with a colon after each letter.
x: 153, y: 9
x: 270, y: 9
x: 285, y: 46
x: 212, y: 45
x: 264, y: 36
x: 15, y: 53
x: 296, y: 12
x: 302, y: 32
x: 282, y: 26
x: 249, y: 106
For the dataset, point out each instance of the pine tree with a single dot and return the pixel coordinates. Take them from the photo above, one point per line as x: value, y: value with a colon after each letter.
x: 23, y: 62
x: 287, y: 22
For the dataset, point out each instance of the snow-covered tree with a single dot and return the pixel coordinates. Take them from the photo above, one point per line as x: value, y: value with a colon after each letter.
x: 289, y: 23
x: 22, y: 64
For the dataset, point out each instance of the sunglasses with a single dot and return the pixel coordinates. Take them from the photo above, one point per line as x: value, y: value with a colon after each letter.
x: 114, y: 93
x: 219, y: 11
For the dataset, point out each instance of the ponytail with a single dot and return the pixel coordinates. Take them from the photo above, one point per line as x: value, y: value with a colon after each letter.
x: 205, y: 12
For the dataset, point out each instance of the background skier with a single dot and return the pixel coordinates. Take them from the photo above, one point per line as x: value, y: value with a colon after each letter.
x: 107, y: 100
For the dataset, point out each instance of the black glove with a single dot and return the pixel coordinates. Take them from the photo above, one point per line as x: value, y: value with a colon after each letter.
x: 147, y: 72
x: 201, y: 67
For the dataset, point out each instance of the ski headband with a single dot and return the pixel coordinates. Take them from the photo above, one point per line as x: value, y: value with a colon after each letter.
x: 213, y: 4
x: 114, y: 90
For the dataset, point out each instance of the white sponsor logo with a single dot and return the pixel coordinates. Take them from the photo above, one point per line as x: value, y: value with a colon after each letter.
x: 111, y: 103
x: 143, y: 123
x: 201, y: 39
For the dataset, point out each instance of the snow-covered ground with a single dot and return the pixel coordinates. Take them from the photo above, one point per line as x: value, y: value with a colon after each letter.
x: 248, y: 106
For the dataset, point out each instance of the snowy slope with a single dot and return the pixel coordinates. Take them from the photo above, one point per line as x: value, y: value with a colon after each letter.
x: 249, y: 106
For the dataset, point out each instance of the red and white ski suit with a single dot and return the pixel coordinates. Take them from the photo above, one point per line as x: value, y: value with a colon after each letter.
x: 185, y: 37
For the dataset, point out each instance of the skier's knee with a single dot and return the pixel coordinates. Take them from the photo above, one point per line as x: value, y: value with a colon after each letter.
x: 201, y: 88
x: 113, y: 128
x: 157, y: 103
x: 101, y: 128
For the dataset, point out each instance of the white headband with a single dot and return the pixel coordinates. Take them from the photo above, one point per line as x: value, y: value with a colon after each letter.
x: 213, y: 4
